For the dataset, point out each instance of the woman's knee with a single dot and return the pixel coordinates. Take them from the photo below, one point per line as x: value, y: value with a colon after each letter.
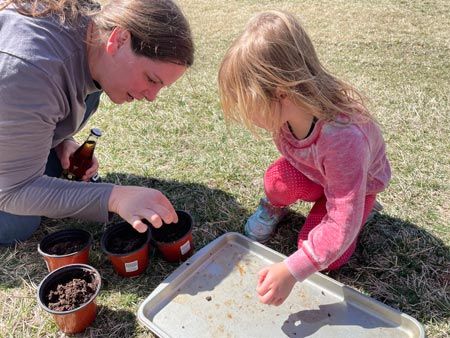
x: 15, y: 228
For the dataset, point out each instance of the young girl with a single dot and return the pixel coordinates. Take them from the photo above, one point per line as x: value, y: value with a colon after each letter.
x: 332, y: 150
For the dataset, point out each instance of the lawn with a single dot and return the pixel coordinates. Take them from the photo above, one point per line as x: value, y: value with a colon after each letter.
x: 396, y: 52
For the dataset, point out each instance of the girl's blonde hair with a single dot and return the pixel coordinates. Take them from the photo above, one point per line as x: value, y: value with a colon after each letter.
x: 275, y: 55
x: 158, y: 28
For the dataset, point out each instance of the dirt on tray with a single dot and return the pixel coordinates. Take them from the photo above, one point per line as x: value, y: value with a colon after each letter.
x: 66, y: 247
x: 72, y: 294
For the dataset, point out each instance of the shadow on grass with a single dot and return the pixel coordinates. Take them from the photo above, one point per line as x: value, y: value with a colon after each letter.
x: 396, y: 262
x: 214, y: 212
x: 403, y: 266
x: 120, y: 323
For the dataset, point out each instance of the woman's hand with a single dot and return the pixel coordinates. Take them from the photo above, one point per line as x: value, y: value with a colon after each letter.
x: 275, y: 283
x: 67, y: 148
x: 134, y: 204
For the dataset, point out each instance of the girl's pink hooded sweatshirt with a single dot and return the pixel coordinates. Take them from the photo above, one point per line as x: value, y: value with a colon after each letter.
x: 349, y: 161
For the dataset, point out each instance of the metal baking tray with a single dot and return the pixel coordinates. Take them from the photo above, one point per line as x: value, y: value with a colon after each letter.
x: 213, y: 294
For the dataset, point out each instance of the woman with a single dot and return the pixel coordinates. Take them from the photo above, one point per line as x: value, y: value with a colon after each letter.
x: 56, y: 57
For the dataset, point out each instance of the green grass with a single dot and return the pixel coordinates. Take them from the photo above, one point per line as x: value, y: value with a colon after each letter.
x: 396, y: 52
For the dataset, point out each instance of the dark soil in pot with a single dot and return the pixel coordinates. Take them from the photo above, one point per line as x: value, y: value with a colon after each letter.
x: 126, y: 248
x: 65, y: 247
x: 173, y: 231
x: 72, y: 293
x: 65, y: 242
x: 125, y: 241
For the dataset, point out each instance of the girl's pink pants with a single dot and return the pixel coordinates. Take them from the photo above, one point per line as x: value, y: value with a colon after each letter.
x: 285, y: 185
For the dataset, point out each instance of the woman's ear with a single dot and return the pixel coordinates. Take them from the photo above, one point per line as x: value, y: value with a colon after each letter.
x: 117, y: 38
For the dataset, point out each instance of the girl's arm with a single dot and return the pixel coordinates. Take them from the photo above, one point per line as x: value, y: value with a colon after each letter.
x: 345, y: 161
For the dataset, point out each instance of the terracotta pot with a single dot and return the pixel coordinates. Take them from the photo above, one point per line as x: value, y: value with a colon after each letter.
x: 126, y: 263
x: 78, y: 319
x: 55, y: 261
x: 174, y: 240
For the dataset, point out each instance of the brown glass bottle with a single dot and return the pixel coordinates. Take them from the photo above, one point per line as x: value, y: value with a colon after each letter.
x: 81, y: 159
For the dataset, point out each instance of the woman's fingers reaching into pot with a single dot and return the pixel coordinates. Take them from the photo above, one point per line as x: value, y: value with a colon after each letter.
x: 134, y: 204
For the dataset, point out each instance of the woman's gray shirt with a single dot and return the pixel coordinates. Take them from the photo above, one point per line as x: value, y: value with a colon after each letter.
x: 44, y: 79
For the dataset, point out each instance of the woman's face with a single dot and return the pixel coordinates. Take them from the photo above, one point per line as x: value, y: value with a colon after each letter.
x: 126, y: 76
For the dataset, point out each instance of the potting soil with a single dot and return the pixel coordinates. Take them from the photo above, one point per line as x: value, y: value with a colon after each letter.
x: 72, y: 294
x: 129, y: 243
x: 66, y: 247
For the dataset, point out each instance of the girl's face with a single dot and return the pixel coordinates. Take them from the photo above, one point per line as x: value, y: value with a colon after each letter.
x: 127, y: 76
x: 258, y: 121
x: 275, y: 111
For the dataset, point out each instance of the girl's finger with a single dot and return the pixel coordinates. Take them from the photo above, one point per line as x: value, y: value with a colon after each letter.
x: 278, y: 302
x: 262, y: 275
x: 263, y: 288
x: 267, y: 298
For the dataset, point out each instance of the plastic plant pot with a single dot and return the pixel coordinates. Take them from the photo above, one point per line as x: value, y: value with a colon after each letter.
x: 126, y: 248
x: 174, y: 240
x: 65, y: 247
x: 78, y: 318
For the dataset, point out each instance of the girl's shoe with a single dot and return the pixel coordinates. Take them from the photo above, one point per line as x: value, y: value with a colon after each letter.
x: 377, y: 207
x: 263, y: 222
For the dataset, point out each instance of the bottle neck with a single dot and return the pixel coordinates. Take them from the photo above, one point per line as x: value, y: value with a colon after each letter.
x: 92, y: 138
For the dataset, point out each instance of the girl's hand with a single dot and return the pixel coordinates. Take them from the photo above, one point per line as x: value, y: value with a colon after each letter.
x: 67, y: 148
x: 134, y: 204
x: 275, y: 283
